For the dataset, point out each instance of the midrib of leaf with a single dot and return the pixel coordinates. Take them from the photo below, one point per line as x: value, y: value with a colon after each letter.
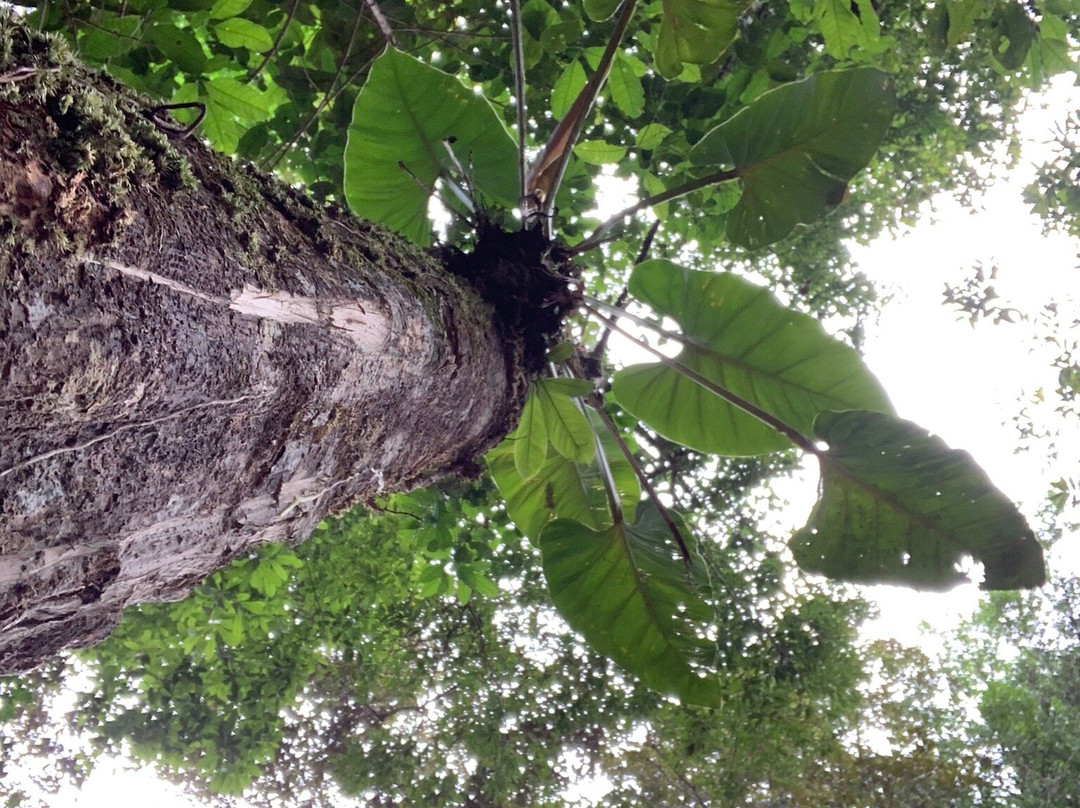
x: 806, y: 444
x: 426, y: 145
x: 693, y: 344
x: 802, y: 147
x: 651, y: 606
x: 881, y: 496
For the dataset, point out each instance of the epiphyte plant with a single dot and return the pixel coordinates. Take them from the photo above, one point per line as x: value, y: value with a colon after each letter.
x: 751, y: 376
x: 760, y: 157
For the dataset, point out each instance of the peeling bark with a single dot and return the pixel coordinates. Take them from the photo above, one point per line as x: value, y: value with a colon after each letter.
x: 194, y: 358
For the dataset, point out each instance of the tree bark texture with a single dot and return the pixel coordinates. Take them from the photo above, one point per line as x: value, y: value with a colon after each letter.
x: 195, y: 358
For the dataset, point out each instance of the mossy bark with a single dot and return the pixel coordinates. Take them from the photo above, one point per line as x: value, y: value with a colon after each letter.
x: 194, y: 358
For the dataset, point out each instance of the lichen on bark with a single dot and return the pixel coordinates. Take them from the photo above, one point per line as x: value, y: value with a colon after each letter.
x: 197, y: 358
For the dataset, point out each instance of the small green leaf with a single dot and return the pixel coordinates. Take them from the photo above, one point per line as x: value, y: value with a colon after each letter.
x: 112, y: 36
x: 963, y: 15
x: 899, y: 506
x: 241, y: 100
x: 238, y: 32
x: 530, y: 438
x: 180, y: 46
x: 562, y: 36
x: 624, y: 86
x: 567, y: 428
x: 567, y: 87
x: 796, y: 148
x: 561, y: 352
x: 1012, y: 33
x: 463, y: 593
x: 627, y: 591
x: 402, y: 116
x: 742, y: 339
x: 845, y: 26
x: 223, y: 9
x: 598, y: 153
x: 228, y: 102
x: 651, y: 135
x: 569, y: 387
x: 600, y: 10
x: 695, y: 32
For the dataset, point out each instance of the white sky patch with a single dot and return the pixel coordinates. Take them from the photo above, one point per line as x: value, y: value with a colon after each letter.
x: 111, y: 786
x: 967, y: 383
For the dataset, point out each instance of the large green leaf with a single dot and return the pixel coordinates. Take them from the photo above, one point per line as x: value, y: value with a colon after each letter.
x: 237, y: 32
x: 899, y: 506
x: 696, y: 31
x: 627, y: 591
x: 563, y: 488
x: 402, y: 116
x: 742, y: 339
x: 796, y: 147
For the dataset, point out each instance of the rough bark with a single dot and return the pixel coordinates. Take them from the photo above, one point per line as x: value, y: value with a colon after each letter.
x: 194, y: 358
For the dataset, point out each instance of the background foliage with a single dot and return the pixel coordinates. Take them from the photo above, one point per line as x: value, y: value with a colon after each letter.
x: 412, y: 654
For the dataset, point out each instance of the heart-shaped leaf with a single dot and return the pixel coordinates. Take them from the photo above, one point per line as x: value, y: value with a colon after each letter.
x: 402, y: 118
x: 796, y: 147
x: 626, y: 589
x: 899, y: 506
x: 696, y: 32
x: 741, y: 338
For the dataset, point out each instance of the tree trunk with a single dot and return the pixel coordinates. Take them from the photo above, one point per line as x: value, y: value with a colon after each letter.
x: 195, y: 358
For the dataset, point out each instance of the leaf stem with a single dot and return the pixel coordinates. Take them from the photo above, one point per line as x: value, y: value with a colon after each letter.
x: 610, y: 488
x: 646, y: 245
x: 609, y: 480
x: 519, y: 89
x: 545, y: 176
x: 270, y: 54
x: 597, y: 238
x: 381, y: 21
x: 643, y: 478
x: 682, y: 369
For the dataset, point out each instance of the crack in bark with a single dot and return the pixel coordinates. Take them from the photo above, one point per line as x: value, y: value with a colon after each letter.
x: 153, y: 277
x: 124, y: 428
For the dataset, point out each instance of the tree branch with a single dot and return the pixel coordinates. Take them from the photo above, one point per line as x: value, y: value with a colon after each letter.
x: 519, y: 89
x: 545, y: 176
x: 330, y: 96
x: 270, y: 54
x: 381, y: 21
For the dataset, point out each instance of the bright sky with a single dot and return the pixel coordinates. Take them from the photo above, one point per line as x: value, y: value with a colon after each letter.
x: 964, y: 383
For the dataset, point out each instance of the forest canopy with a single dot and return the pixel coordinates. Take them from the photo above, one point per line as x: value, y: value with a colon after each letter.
x: 600, y: 603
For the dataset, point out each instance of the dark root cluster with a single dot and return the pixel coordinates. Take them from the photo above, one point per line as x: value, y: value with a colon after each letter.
x: 528, y: 279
